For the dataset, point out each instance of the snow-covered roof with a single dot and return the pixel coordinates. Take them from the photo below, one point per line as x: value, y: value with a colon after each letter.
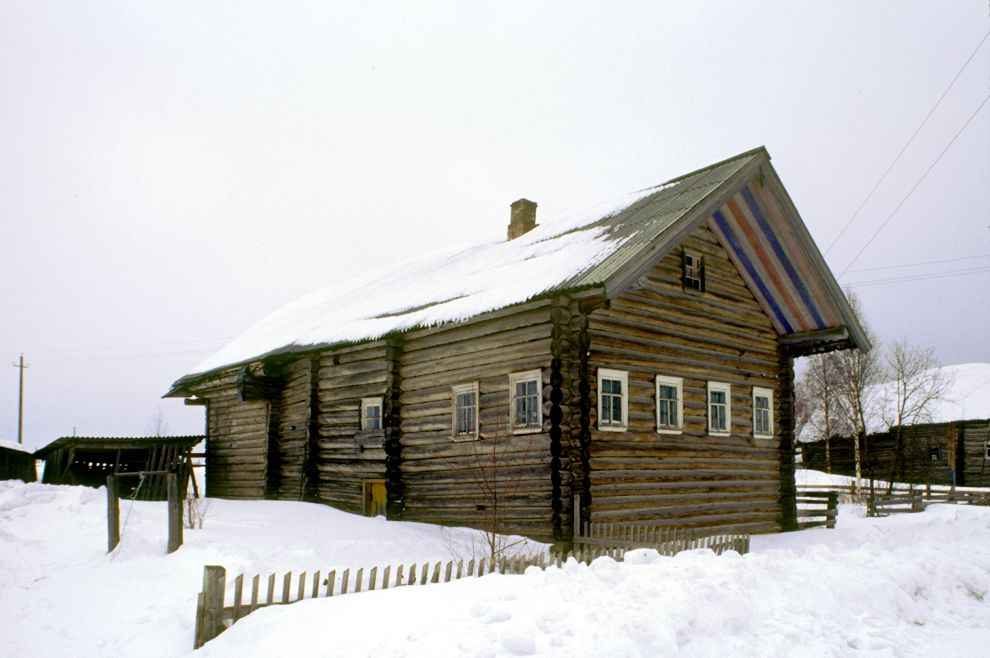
x: 604, y: 246
x: 13, y: 445
x: 967, y: 398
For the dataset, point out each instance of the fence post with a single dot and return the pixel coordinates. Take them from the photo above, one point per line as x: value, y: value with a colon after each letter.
x: 209, y: 609
x: 174, y: 513
x: 113, y: 514
x: 576, y: 511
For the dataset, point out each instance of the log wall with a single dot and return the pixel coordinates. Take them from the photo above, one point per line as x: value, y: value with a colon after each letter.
x: 347, y: 455
x: 453, y: 482
x: 976, y: 466
x: 237, y: 440
x: 691, y: 479
x: 292, y: 436
x: 961, y: 447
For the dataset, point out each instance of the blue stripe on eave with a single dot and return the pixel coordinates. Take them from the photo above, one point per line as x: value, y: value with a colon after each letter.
x: 733, y: 241
x: 781, y: 255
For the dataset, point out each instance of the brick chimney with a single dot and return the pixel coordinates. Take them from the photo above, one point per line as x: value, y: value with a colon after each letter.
x: 522, y: 218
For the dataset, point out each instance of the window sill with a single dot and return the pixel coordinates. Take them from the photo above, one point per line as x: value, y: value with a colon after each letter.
x: 764, y: 437
x: 464, y: 438
x: 711, y: 433
x: 535, y: 429
x: 670, y: 430
x: 612, y: 428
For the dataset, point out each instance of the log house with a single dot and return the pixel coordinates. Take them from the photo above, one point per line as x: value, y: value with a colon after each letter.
x: 637, y: 360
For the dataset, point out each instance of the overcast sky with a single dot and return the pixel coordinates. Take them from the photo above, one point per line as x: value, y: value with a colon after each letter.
x: 172, y: 172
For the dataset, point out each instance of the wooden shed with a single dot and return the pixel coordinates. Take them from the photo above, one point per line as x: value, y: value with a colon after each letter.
x: 16, y: 462
x: 931, y: 453
x: 89, y: 460
x: 628, y: 363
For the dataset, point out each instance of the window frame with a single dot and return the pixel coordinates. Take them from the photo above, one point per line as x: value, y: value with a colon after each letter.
x: 623, y: 377
x: 678, y: 384
x: 760, y: 391
x: 456, y: 391
x: 520, y: 377
x: 372, y: 402
x: 721, y: 387
x: 696, y: 272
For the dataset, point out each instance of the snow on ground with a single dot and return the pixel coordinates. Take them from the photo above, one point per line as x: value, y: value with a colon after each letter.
x: 910, y: 585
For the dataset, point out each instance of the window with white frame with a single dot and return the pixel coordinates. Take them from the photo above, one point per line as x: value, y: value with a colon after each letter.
x: 762, y: 412
x: 670, y: 404
x: 719, y: 408
x: 525, y: 401
x: 613, y: 400
x: 465, y: 411
x: 371, y: 414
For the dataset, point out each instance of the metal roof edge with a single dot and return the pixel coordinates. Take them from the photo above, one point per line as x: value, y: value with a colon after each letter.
x: 674, y: 234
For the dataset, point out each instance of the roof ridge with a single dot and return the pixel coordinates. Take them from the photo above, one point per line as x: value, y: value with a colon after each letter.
x: 759, y: 150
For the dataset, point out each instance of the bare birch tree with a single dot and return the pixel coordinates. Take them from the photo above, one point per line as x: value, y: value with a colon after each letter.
x: 857, y: 374
x: 818, y: 402
x: 915, y: 383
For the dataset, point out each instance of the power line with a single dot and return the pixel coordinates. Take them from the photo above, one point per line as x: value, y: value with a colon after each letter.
x: 923, y: 262
x: 134, y: 346
x: 920, y: 277
x: 908, y: 143
x: 122, y: 357
x: 915, y: 186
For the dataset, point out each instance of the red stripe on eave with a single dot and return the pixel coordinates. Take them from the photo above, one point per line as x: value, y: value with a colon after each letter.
x: 813, y: 284
x: 768, y: 265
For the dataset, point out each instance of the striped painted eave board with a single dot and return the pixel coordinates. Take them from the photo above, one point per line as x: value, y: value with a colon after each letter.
x: 756, y: 236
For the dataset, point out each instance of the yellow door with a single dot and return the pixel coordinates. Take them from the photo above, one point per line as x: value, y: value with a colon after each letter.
x: 375, y: 498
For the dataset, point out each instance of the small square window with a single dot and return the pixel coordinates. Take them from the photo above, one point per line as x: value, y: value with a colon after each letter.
x: 613, y: 400
x: 670, y: 404
x: 719, y: 408
x: 526, y: 401
x: 371, y: 414
x: 935, y: 454
x: 465, y: 412
x: 693, y: 274
x: 762, y: 413
x: 987, y: 449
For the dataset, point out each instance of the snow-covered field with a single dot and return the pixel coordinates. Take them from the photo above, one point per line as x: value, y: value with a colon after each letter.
x: 911, y: 585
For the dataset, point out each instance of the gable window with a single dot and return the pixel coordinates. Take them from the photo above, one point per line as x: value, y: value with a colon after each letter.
x: 613, y: 400
x: 935, y: 454
x: 371, y: 414
x: 762, y: 412
x: 525, y: 403
x: 987, y: 448
x: 670, y: 404
x: 719, y: 408
x: 693, y: 271
x: 465, y: 412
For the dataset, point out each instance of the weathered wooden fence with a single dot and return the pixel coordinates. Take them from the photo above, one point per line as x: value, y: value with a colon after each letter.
x: 214, y: 614
x: 817, y: 508
x: 613, y: 539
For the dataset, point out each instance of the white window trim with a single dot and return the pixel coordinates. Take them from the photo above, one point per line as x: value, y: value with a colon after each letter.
x: 515, y: 378
x: 454, y: 392
x: 678, y: 383
x: 767, y: 393
x: 727, y: 389
x: 622, y: 376
x: 372, y: 402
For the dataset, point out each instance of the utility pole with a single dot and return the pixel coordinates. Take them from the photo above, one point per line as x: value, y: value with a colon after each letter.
x: 20, y: 402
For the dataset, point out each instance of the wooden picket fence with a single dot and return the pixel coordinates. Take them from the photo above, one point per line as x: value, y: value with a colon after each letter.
x: 214, y: 614
x: 614, y: 539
